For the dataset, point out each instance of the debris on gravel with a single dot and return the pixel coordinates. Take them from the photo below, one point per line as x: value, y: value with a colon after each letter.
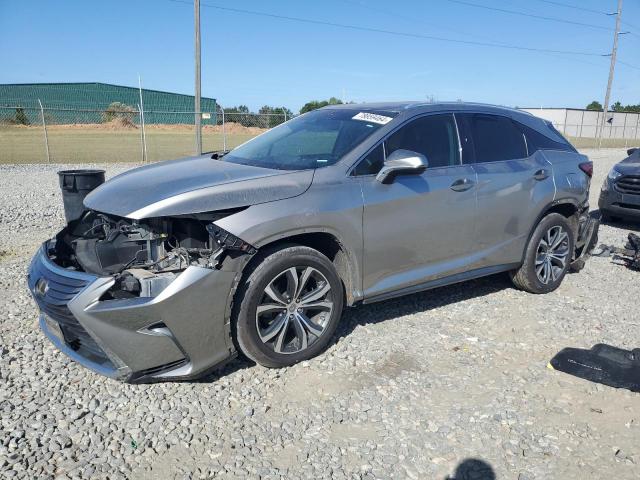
x: 449, y: 382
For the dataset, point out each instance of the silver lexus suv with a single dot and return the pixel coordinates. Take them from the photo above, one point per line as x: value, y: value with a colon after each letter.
x: 171, y: 269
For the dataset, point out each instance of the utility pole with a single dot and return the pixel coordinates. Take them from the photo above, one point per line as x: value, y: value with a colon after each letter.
x: 196, y: 7
x: 612, y: 67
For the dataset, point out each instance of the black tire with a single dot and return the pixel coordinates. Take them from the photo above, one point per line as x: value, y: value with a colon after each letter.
x: 526, y: 277
x: 261, y: 273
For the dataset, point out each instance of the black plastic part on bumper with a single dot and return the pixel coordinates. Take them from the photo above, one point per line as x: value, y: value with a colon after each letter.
x: 52, y: 288
x: 104, y: 367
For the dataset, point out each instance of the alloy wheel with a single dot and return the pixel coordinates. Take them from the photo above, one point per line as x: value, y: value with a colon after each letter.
x: 294, y: 310
x: 552, y: 255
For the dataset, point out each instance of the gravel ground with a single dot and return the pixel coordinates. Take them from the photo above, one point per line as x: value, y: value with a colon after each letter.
x: 412, y: 388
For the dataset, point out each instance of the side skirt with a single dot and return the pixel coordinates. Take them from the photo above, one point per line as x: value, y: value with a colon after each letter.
x: 441, y: 282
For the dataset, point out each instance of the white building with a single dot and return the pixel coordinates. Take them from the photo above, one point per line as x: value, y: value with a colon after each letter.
x: 584, y: 123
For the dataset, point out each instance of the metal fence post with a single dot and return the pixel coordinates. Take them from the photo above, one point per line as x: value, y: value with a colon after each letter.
x: 141, y: 135
x: 141, y: 112
x: 46, y: 137
x: 581, y: 124
x: 224, y: 135
x: 144, y: 136
x: 624, y: 130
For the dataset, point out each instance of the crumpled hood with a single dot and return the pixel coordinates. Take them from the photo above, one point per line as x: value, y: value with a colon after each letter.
x: 194, y: 185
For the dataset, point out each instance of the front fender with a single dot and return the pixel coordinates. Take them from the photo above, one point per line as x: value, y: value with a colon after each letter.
x: 334, y: 209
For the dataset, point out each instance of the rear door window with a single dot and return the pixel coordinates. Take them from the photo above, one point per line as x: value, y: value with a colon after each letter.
x: 496, y: 138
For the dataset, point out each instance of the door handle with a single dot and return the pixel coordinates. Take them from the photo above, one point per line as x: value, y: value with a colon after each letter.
x: 462, y: 185
x: 541, y: 174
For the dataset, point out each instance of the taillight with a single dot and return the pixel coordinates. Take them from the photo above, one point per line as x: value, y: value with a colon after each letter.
x: 587, y: 167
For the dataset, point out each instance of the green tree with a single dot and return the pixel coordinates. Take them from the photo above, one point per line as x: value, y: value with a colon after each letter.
x: 315, y: 104
x: 595, y: 105
x: 630, y: 108
x: 21, y: 117
x: 617, y: 107
x: 239, y: 114
x: 274, y: 116
x: 238, y: 109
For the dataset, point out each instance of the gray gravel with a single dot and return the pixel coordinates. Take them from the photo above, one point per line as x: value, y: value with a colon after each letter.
x: 411, y: 389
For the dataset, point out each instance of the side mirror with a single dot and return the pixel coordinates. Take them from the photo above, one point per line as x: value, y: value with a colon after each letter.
x: 402, y: 162
x: 631, y: 151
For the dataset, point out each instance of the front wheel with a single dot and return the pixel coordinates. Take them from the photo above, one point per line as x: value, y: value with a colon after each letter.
x: 288, y: 307
x: 547, y: 257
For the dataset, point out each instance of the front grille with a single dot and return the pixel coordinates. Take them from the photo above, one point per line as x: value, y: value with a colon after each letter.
x: 52, y: 300
x: 629, y: 184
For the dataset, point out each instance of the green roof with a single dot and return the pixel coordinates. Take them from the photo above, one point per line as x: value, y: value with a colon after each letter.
x: 65, y: 102
x: 95, y: 95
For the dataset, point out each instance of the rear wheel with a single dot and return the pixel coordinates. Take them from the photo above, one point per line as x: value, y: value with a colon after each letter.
x: 547, y: 257
x: 289, y: 307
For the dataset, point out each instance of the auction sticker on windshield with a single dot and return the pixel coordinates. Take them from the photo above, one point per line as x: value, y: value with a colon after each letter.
x: 372, y: 117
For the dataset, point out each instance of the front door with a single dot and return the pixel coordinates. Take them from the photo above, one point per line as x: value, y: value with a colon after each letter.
x: 418, y: 228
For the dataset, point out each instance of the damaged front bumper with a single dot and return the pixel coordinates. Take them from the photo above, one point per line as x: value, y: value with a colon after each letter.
x: 180, y: 333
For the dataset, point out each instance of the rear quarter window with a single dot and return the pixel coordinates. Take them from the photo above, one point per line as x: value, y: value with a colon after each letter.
x: 538, y: 141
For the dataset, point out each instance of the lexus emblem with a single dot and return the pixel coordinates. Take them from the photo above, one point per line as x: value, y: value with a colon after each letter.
x: 42, y: 287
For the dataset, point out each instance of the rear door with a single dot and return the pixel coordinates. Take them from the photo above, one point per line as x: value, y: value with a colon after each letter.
x: 419, y: 227
x: 514, y: 185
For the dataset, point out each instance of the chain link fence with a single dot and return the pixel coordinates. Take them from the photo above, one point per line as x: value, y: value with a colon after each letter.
x: 123, y: 134
x: 130, y: 134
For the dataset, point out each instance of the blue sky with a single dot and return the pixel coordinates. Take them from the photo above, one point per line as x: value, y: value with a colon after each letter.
x: 255, y: 60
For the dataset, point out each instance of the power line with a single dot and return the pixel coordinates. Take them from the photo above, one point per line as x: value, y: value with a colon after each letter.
x: 628, y: 64
x: 413, y: 19
x: 575, y: 7
x: 630, y: 25
x: 392, y: 32
x: 530, y: 15
x: 422, y: 21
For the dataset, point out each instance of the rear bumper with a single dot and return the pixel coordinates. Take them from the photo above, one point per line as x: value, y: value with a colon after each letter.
x: 179, y: 334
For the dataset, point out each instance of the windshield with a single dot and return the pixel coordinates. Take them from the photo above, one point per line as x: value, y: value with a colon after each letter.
x: 313, y: 140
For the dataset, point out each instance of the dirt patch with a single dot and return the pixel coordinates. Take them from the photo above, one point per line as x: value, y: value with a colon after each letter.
x: 120, y: 123
x: 124, y: 123
x: 5, y: 254
x: 235, y: 128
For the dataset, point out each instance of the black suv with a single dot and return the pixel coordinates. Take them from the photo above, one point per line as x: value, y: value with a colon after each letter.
x: 620, y: 194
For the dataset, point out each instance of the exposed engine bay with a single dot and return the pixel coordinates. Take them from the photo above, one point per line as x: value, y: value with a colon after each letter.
x: 143, y: 255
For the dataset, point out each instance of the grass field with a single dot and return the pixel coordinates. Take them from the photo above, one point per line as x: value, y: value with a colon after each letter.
x: 92, y: 145
x: 606, y: 142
